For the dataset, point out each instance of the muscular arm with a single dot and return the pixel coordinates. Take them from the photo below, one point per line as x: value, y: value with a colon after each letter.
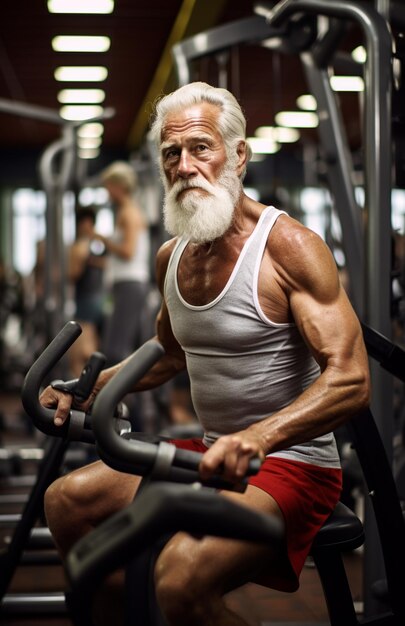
x: 330, y: 328
x: 319, y: 306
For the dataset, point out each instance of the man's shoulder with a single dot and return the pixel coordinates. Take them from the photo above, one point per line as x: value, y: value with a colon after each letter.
x: 166, y: 249
x: 298, y: 252
x: 288, y: 236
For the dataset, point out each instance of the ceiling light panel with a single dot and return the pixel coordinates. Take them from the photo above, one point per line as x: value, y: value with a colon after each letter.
x: 279, y: 134
x: 84, y: 73
x: 359, y: 54
x: 89, y: 142
x: 80, y: 6
x: 260, y: 145
x: 81, y: 96
x: 73, y: 112
x: 94, y: 129
x: 297, y: 119
x: 347, y: 83
x: 73, y: 43
x: 307, y: 102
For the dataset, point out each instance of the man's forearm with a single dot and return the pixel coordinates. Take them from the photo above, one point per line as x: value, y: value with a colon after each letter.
x: 320, y: 409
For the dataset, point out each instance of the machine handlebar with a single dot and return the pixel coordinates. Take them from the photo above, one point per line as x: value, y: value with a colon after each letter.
x: 163, y: 461
x: 78, y: 426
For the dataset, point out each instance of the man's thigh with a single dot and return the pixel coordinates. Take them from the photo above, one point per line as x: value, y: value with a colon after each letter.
x: 102, y: 489
x: 219, y: 565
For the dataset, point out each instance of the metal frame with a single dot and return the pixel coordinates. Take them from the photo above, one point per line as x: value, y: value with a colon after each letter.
x: 218, y: 39
x: 55, y: 180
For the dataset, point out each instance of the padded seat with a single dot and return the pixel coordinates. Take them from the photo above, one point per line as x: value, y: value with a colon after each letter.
x: 342, y: 530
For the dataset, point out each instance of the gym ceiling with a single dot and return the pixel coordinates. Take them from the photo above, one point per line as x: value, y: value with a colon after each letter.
x: 140, y: 67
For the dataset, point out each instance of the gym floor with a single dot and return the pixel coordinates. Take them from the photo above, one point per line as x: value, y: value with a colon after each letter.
x: 258, y: 605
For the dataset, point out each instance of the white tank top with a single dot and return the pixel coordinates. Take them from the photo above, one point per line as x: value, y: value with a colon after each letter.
x: 135, y: 268
x: 242, y: 366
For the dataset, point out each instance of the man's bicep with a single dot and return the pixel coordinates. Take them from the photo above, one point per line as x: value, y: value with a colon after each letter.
x: 321, y: 308
x: 329, y: 327
x: 166, y: 337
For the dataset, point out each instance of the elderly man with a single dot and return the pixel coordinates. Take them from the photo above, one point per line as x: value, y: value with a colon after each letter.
x: 253, y: 307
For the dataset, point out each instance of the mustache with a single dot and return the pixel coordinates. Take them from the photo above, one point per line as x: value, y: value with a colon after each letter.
x: 195, y: 183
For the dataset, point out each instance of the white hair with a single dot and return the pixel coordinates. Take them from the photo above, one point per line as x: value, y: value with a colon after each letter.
x: 232, y: 122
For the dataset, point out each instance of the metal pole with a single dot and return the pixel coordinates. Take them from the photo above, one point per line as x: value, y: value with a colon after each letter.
x: 377, y: 167
x: 338, y: 158
x: 31, y: 111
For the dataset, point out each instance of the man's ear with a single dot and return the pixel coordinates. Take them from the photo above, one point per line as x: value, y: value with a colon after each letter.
x: 241, y: 151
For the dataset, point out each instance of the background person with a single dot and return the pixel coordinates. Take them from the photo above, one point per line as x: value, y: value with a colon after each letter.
x: 86, y: 265
x: 128, y: 273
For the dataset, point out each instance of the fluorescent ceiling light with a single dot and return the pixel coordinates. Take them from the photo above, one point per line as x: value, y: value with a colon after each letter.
x: 81, y: 73
x: 89, y: 142
x: 81, y: 96
x: 263, y: 146
x: 75, y: 113
x: 279, y: 134
x: 94, y: 129
x: 347, y: 83
x: 73, y: 43
x: 80, y: 6
x: 359, y: 54
x: 88, y: 153
x: 307, y: 102
x: 297, y: 119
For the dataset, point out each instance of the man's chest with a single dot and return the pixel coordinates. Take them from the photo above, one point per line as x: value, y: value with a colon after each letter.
x: 203, y: 280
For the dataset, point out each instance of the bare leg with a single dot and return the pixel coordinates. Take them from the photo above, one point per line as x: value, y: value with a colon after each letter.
x: 80, y: 501
x: 193, y: 575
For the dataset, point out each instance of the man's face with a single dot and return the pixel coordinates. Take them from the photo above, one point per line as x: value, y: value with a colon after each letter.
x: 202, y: 187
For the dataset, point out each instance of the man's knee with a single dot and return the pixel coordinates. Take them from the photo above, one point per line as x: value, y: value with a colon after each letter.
x: 61, y: 499
x: 180, y: 587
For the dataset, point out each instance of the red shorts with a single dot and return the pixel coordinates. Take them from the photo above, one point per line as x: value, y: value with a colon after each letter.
x: 306, y: 494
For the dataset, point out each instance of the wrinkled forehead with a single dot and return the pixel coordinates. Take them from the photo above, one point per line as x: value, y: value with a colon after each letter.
x: 196, y: 119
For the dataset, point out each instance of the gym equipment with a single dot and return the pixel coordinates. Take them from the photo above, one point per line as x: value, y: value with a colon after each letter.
x: 79, y: 429
x: 111, y: 544
x: 58, y: 172
x: 159, y: 460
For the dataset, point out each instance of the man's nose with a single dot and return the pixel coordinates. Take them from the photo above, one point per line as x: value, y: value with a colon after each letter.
x: 186, y: 167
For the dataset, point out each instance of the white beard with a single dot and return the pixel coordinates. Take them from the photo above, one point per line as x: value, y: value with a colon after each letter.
x: 199, y: 216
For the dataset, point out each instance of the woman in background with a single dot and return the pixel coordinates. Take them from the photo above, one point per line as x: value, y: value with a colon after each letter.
x: 128, y: 271
x: 86, y: 263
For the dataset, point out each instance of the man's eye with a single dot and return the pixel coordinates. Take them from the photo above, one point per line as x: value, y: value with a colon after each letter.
x: 201, y: 148
x: 170, y: 154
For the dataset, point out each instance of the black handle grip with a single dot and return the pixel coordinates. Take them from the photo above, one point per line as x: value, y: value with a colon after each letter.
x: 41, y: 416
x: 119, y: 452
x: 188, y: 459
x: 88, y: 377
